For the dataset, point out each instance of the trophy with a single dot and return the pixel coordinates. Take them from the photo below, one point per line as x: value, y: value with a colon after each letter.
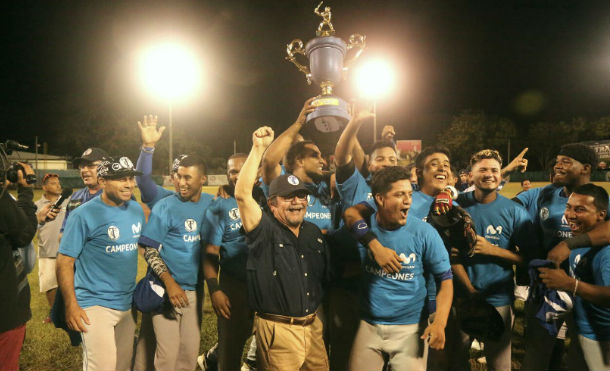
x: 326, y: 68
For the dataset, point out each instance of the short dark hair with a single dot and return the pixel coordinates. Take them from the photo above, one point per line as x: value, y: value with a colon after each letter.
x: 238, y: 155
x: 581, y: 153
x: 525, y: 180
x: 600, y: 196
x: 193, y: 160
x: 410, y: 167
x: 421, y: 157
x: 296, y: 152
x: 48, y: 176
x: 381, y: 144
x: 485, y: 154
x: 383, y: 179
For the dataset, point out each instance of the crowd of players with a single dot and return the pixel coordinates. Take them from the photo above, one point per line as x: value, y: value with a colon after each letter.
x: 369, y: 266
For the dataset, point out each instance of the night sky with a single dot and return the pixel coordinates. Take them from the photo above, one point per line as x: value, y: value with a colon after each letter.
x: 63, y: 57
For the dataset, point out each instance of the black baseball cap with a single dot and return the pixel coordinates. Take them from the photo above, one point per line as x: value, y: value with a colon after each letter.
x: 111, y: 168
x: 90, y: 155
x: 286, y: 185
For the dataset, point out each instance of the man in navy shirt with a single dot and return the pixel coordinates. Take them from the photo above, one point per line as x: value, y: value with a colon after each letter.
x: 171, y: 240
x: 589, y: 281
x: 286, y: 270
x: 87, y: 165
x: 389, y: 328
x: 97, y: 265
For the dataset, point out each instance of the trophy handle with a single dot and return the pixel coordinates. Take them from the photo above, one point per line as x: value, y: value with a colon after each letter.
x: 355, y: 41
x: 296, y: 47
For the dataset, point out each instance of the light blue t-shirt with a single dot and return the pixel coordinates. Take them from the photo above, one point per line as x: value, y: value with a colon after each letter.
x: 223, y: 223
x: 592, y: 321
x: 104, y: 241
x: 354, y: 190
x: 399, y: 298
x: 503, y: 223
x: 174, y: 227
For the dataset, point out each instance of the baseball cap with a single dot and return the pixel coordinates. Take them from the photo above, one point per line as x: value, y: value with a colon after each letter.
x: 286, y: 185
x: 176, y: 163
x: 111, y: 168
x: 91, y: 154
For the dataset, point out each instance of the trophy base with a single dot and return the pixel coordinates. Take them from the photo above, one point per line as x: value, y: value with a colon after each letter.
x: 330, y: 114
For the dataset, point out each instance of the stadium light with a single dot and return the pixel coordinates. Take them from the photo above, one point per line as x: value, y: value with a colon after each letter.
x: 375, y: 80
x: 171, y: 72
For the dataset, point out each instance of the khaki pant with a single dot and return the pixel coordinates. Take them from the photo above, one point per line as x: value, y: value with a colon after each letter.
x: 108, y: 342
x: 285, y: 347
x: 234, y: 332
x: 400, y: 344
x: 178, y: 338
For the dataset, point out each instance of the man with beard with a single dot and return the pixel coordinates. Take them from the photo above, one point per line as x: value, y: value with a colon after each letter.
x: 171, y: 240
x: 87, y: 165
x: 573, y: 166
x: 502, y: 226
x: 97, y: 265
x: 286, y: 269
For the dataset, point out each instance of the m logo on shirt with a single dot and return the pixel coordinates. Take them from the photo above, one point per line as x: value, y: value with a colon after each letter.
x: 491, y: 230
x: 234, y: 214
x: 408, y: 259
x: 190, y: 225
x: 113, y: 233
x: 136, y: 228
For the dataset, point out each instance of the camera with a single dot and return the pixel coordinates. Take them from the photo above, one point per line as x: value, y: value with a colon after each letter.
x: 9, y: 170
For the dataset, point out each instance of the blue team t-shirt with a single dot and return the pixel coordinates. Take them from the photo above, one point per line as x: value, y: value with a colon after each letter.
x: 174, y: 227
x: 104, y: 241
x: 503, y: 223
x: 399, y: 298
x: 223, y: 223
x: 592, y: 321
x: 354, y: 190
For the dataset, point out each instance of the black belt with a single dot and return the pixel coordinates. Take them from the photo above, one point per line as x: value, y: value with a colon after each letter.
x: 301, y: 321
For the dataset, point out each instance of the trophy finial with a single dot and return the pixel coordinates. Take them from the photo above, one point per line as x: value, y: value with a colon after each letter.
x: 325, y: 28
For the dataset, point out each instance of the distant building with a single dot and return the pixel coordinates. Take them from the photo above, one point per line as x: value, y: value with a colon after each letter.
x: 41, y: 161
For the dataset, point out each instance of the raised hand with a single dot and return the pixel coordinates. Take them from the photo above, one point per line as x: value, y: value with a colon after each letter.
x: 519, y: 162
x: 262, y: 137
x: 306, y: 110
x: 149, y: 131
x: 388, y: 133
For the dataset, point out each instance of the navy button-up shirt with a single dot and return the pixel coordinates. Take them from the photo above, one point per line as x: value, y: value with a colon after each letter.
x: 286, y: 273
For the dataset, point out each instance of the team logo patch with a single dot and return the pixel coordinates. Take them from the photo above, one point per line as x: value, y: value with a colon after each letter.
x: 87, y: 152
x: 136, y: 228
x: 234, y: 214
x: 310, y: 200
x: 369, y: 196
x: 293, y: 180
x: 125, y: 162
x: 190, y: 225
x: 113, y: 232
x: 544, y: 213
x: 116, y: 166
x: 362, y: 225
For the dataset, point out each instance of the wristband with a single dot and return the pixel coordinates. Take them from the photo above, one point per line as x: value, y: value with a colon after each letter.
x: 148, y: 149
x: 359, y: 229
x: 581, y: 240
x: 212, y: 285
x: 368, y: 237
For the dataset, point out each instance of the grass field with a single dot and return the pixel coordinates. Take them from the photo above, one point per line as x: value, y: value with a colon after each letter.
x: 48, y: 348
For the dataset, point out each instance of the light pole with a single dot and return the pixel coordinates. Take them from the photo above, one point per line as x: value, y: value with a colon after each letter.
x: 375, y: 80
x: 171, y: 72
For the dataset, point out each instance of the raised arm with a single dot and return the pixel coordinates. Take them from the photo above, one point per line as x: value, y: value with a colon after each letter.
x: 281, y: 145
x: 150, y: 136
x: 249, y: 209
x: 519, y: 162
x: 345, y: 145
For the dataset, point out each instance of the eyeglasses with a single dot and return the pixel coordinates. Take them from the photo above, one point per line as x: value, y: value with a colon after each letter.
x: 299, y: 196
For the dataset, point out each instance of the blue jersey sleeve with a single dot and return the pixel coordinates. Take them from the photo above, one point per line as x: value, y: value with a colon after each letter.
x: 602, y: 269
x: 148, y: 188
x: 156, y: 229
x: 74, y: 237
x: 524, y: 235
x: 213, y: 225
x: 354, y: 190
x: 436, y: 258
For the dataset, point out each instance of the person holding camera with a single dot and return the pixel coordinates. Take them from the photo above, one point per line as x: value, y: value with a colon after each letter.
x: 17, y: 228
